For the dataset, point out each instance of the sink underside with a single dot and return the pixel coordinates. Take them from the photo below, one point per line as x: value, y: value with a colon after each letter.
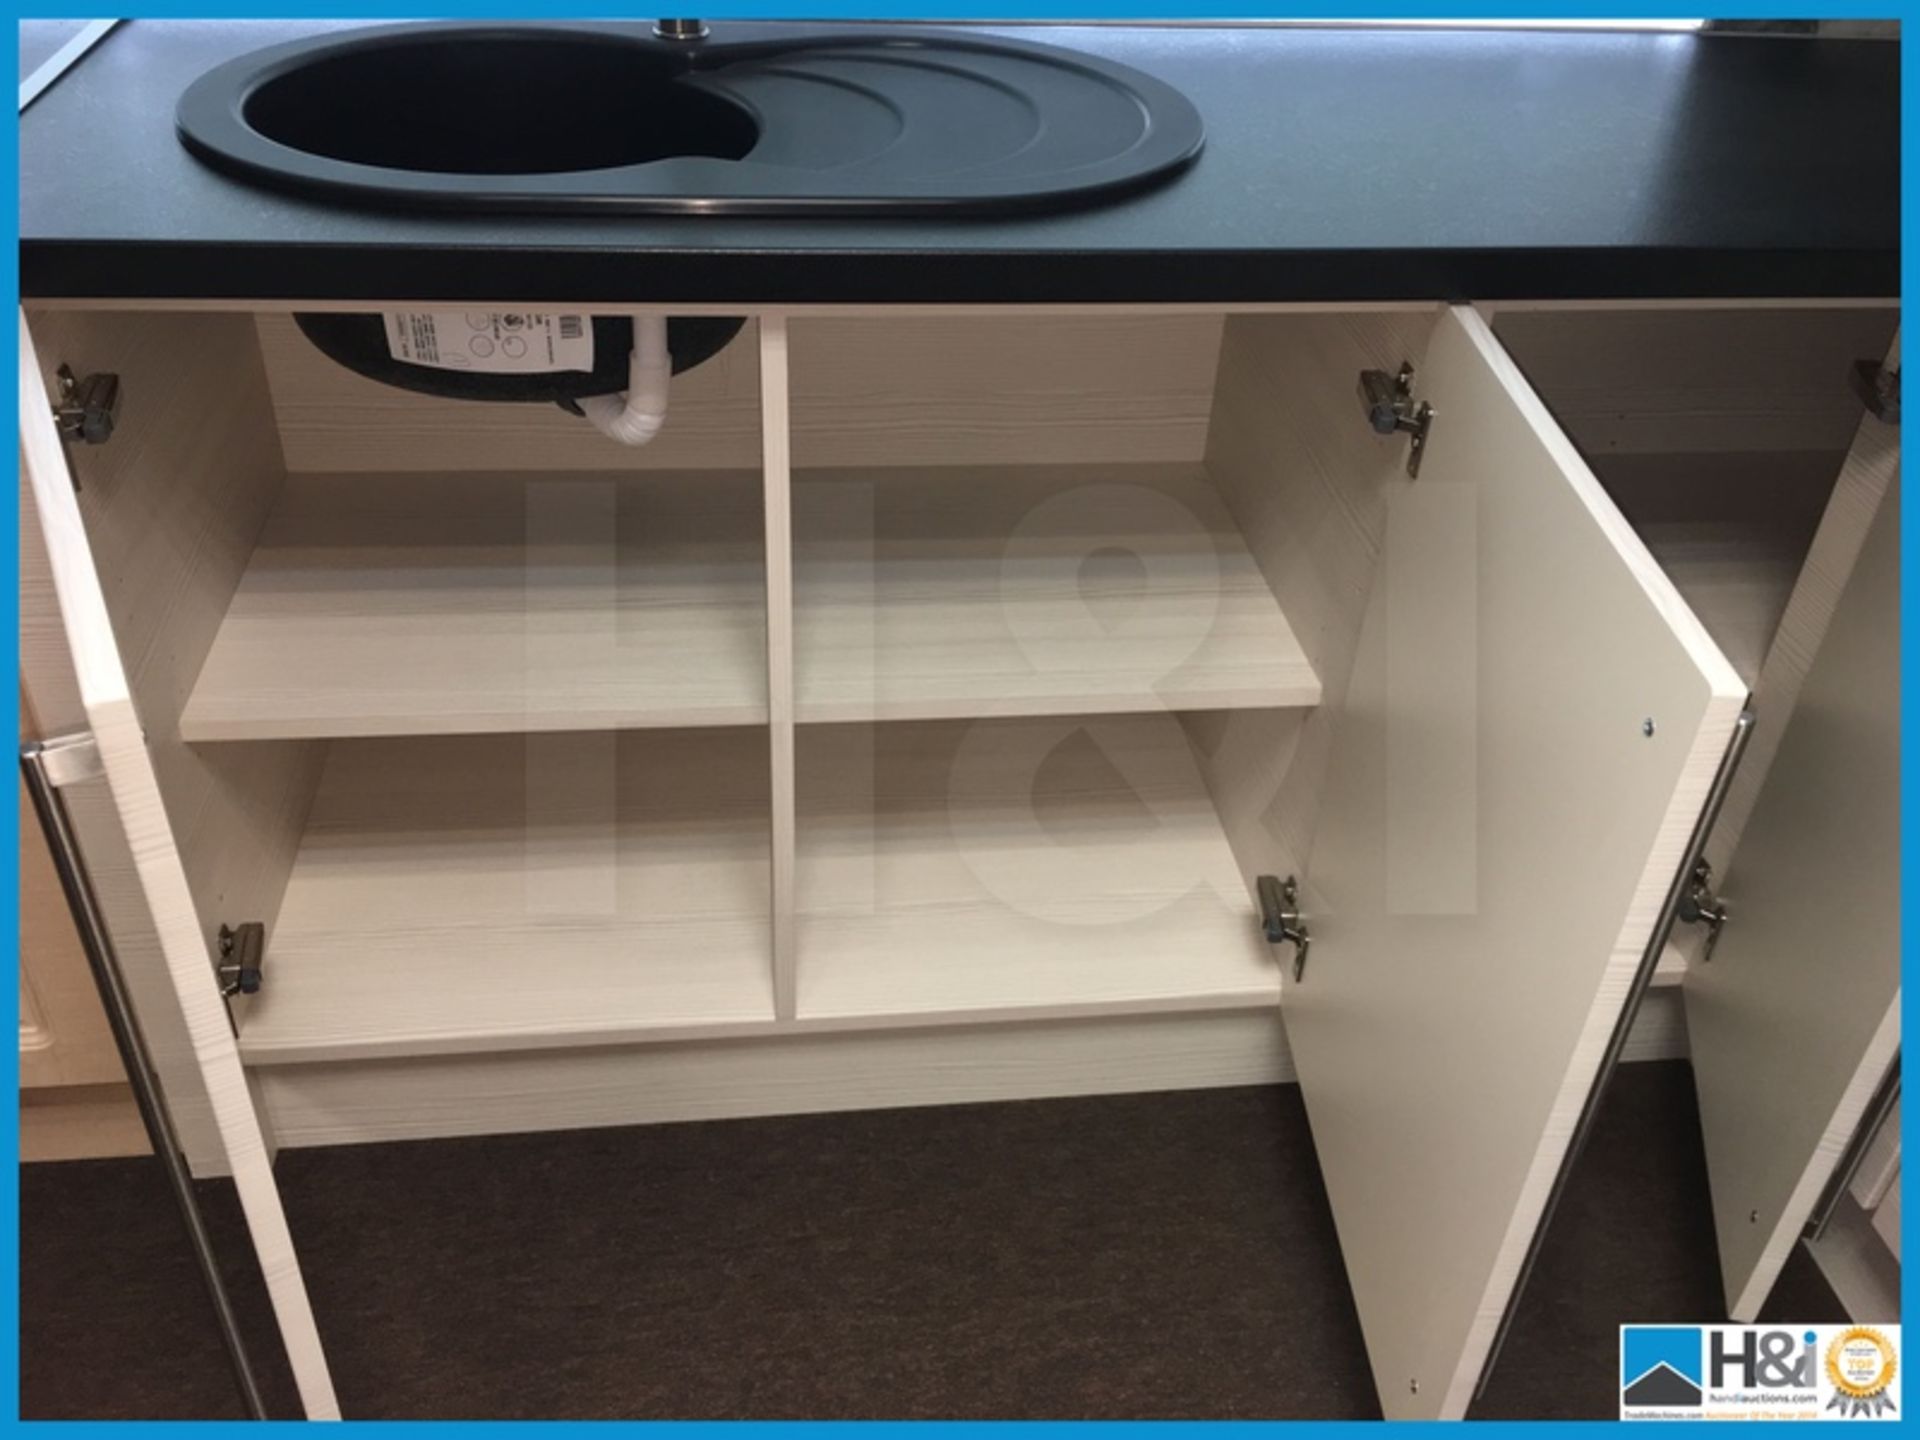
x: 608, y: 118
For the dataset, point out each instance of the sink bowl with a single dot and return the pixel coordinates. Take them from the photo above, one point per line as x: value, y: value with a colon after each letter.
x: 611, y: 118
x: 493, y: 103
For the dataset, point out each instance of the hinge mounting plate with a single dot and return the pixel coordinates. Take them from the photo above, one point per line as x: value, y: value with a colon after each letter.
x: 1391, y: 409
x: 88, y: 406
x: 1878, y: 387
x: 1700, y: 905
x: 243, y: 955
x: 1280, y: 918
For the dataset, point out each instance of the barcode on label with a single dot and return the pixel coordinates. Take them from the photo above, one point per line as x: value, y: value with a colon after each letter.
x: 426, y: 338
x: 570, y: 327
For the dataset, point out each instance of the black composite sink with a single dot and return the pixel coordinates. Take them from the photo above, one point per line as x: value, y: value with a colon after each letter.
x: 613, y: 118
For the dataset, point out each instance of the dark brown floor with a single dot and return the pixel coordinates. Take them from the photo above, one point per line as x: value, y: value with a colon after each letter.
x: 1164, y: 1255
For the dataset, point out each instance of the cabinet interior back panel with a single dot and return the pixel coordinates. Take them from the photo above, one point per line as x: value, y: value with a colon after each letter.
x: 1732, y: 529
x: 1736, y: 578
x: 1624, y: 381
x: 486, y: 601
x: 499, y: 892
x: 1063, y: 866
x: 971, y: 591
x: 331, y: 418
x: 1002, y: 390
x: 919, y: 390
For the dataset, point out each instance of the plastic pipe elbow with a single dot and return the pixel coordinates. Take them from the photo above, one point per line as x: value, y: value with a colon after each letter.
x: 636, y: 417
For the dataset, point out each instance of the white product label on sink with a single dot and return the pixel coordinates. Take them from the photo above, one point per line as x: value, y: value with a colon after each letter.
x: 491, y: 342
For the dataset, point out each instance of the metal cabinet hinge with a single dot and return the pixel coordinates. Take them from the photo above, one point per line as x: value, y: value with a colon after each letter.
x: 1391, y: 410
x: 1878, y: 388
x: 1699, y: 905
x: 1280, y: 918
x: 243, y: 953
x: 88, y: 406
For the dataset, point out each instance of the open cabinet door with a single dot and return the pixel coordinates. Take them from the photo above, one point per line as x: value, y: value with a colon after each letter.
x: 107, y: 701
x: 1796, y: 1020
x: 1533, y: 724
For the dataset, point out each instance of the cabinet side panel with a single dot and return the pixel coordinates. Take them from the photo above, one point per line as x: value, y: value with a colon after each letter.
x: 1306, y: 481
x: 48, y: 686
x: 1871, y: 468
x: 172, y: 505
x: 130, y: 772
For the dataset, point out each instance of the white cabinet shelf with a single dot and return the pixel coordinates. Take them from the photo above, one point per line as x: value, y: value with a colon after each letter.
x: 416, y: 604
x: 493, y: 893
x: 966, y: 591
x: 1024, y: 867
x: 487, y: 893
x: 411, y: 604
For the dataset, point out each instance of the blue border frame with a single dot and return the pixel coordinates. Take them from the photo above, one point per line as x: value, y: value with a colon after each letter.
x: 881, y: 10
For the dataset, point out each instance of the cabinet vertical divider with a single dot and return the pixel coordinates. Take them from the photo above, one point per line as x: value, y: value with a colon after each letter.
x: 777, y: 474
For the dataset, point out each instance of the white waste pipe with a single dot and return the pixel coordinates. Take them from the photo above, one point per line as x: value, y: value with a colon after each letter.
x: 636, y: 417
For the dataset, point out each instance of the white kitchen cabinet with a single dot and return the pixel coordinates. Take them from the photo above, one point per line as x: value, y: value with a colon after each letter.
x: 916, y: 719
x: 1795, y: 1023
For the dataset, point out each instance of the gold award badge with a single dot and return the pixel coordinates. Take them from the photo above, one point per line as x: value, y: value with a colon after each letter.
x: 1861, y: 1365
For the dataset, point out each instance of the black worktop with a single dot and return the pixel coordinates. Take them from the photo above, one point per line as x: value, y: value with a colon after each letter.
x: 1340, y: 164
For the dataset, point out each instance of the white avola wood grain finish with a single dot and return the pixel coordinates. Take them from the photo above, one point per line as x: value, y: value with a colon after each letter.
x: 171, y: 509
x: 1731, y: 529
x: 1306, y: 482
x: 1736, y: 578
x: 130, y: 774
x: 361, y: 1101
x: 962, y: 389
x: 1631, y: 378
x: 50, y: 693
x: 460, y: 603
x: 1445, y: 1051
x: 483, y: 894
x: 333, y: 419
x: 1871, y: 469
x: 963, y: 591
x: 351, y: 1104
x: 1032, y: 867
x: 1798, y: 1016
x: 777, y: 484
x: 868, y: 390
x: 491, y: 893
x: 1671, y: 968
